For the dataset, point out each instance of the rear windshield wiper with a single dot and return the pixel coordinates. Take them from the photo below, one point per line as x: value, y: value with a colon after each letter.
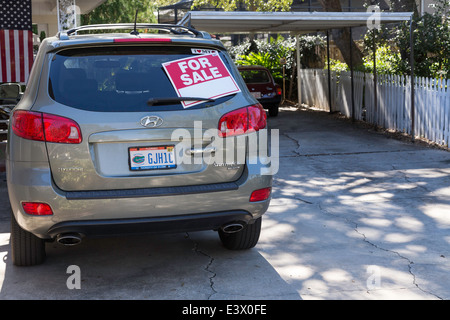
x: 164, y: 101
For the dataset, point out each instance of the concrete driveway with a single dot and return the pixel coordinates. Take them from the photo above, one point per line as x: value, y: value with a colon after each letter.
x: 354, y: 215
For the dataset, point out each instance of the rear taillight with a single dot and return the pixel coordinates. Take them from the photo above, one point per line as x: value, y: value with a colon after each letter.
x: 279, y: 92
x: 45, y: 127
x: 61, y: 130
x: 244, y: 120
x: 28, y: 125
x: 260, y: 195
x: 37, y: 208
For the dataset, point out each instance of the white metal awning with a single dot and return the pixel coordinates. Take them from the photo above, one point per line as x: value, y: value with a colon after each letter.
x: 285, y: 22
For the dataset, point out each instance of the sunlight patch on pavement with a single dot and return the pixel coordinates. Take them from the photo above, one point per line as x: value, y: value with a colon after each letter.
x: 439, y: 212
x: 336, y: 275
x: 396, y: 237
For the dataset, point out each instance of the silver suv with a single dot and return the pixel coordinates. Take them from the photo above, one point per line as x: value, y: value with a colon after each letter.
x: 126, y: 133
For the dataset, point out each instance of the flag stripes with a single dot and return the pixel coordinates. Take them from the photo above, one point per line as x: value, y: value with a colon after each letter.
x: 16, y: 55
x: 16, y: 40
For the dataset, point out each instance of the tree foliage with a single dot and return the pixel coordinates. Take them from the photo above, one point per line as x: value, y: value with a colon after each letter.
x: 387, y: 59
x: 431, y: 42
x: 121, y: 11
x: 337, y: 65
x: 266, y: 54
x: 269, y: 53
x: 251, y: 5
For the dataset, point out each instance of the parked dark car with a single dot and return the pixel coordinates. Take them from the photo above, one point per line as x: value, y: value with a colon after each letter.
x: 262, y: 86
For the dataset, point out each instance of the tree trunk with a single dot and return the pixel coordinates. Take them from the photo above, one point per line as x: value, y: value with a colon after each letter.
x: 342, y: 36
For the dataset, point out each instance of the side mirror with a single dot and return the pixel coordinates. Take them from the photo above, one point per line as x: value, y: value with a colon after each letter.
x: 10, y: 93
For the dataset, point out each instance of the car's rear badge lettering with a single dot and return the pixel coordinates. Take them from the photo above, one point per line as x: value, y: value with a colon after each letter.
x: 71, y: 169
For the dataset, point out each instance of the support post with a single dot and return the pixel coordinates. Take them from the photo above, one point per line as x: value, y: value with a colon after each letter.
x: 330, y: 106
x: 299, y: 79
x: 351, y: 76
x: 375, y: 81
x: 411, y: 58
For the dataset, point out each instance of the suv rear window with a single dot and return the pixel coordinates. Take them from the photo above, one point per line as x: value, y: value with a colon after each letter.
x: 117, y: 79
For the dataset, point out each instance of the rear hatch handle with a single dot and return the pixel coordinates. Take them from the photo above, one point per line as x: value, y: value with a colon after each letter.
x: 197, y: 151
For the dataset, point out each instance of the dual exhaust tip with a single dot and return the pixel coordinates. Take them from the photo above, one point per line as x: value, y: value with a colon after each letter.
x: 74, y: 238
x: 233, y: 227
x: 69, y: 239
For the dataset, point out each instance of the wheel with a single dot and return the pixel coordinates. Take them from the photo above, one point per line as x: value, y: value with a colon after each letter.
x: 245, y: 239
x: 26, y: 248
x: 273, y: 111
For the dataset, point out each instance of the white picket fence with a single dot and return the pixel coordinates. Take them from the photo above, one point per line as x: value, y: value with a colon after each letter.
x: 393, y: 109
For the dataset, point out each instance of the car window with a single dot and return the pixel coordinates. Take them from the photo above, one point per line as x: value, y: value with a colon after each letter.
x: 117, y: 79
x: 255, y: 76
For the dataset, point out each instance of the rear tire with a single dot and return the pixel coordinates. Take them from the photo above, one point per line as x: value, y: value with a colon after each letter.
x: 273, y: 110
x: 26, y: 248
x: 245, y: 239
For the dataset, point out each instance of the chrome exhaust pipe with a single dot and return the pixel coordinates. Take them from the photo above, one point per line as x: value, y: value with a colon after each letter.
x: 233, y: 227
x: 68, y: 239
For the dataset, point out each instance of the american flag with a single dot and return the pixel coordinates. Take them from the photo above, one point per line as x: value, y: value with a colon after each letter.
x: 16, y: 40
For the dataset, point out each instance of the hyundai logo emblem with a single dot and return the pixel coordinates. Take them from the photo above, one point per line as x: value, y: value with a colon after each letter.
x: 151, y: 121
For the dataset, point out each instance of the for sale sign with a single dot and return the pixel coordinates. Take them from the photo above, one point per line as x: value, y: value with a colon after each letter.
x: 202, y: 76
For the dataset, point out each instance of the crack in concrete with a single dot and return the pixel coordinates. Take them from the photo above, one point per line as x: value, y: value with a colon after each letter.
x: 407, y: 179
x: 340, y: 153
x: 302, y: 200
x: 207, y: 267
x: 365, y: 239
x: 410, y: 262
x: 297, y: 153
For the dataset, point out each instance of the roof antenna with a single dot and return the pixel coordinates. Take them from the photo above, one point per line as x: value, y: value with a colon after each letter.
x: 134, y: 32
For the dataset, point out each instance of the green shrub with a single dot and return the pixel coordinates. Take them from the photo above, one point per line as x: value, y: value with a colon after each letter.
x: 388, y: 61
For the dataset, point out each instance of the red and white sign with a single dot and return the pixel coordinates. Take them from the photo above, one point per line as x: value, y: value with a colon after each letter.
x: 203, y: 76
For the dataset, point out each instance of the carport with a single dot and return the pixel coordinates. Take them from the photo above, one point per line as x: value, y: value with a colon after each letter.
x: 298, y: 23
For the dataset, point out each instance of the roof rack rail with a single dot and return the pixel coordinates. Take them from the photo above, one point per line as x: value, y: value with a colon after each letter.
x: 173, y: 28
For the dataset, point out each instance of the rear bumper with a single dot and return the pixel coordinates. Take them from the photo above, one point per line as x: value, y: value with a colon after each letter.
x: 182, y: 223
x: 173, y: 209
x: 151, y: 192
x: 267, y: 102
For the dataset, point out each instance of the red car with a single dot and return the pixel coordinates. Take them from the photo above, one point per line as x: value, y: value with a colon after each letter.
x: 262, y: 86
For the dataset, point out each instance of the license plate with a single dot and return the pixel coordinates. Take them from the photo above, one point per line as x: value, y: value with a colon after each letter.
x: 150, y: 158
x: 257, y: 95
